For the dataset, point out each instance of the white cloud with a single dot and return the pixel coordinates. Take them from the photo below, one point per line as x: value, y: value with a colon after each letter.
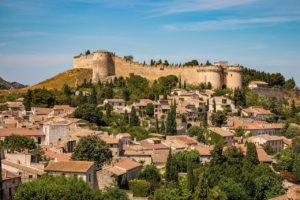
x: 184, y: 6
x: 229, y: 24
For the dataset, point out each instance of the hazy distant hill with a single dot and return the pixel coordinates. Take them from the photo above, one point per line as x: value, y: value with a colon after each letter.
x: 71, y: 77
x: 5, y: 85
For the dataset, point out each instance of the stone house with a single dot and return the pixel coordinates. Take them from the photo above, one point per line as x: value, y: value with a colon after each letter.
x: 117, y: 104
x: 204, y: 151
x: 257, y: 113
x: 276, y: 142
x: 26, y: 172
x: 10, y: 183
x: 81, y: 169
x: 36, y: 134
x: 58, y: 129
x: 258, y: 84
x: 225, y: 134
x: 221, y: 104
x: 120, y: 172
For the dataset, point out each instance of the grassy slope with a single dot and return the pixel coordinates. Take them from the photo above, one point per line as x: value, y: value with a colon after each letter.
x: 71, y: 77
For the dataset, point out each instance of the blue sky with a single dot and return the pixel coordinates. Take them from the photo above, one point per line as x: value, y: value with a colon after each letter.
x: 38, y: 38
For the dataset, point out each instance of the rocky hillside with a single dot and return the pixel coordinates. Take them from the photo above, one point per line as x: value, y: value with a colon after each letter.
x: 5, y: 85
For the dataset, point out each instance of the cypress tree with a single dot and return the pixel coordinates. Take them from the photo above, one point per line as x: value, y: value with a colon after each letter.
x: 126, y: 118
x: 190, y: 175
x: 214, y: 106
x: 134, y: 119
x: 93, y: 97
x: 157, y: 125
x: 251, y: 158
x: 1, y: 181
x: 171, y: 173
x: 202, y: 190
x: 171, y: 127
x: 293, y: 109
x: 162, y: 127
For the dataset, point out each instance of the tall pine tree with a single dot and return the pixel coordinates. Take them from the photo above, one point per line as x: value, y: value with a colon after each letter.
x: 134, y: 119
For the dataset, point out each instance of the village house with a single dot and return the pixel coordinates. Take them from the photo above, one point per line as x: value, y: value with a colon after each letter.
x: 62, y: 110
x: 117, y: 104
x: 137, y: 153
x: 257, y: 113
x: 204, y: 151
x: 36, y: 134
x: 119, y: 173
x: 25, y: 171
x: 263, y: 157
x: 262, y: 129
x: 82, y: 169
x: 258, y: 84
x: 220, y: 103
x: 275, y: 142
x: 39, y: 115
x: 225, y: 134
x: 9, y: 122
x: 10, y: 184
x: 180, y: 142
x: 15, y: 106
x: 57, y: 129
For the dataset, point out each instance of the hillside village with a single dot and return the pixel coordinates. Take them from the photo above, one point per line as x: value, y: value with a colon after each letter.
x: 112, y: 137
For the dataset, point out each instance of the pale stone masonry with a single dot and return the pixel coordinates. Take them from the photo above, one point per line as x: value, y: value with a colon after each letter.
x: 106, y: 64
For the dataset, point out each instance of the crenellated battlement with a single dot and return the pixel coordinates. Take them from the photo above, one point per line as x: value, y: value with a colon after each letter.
x: 106, y: 64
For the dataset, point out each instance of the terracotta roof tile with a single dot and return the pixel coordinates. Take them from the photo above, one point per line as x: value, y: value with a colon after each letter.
x: 21, y: 131
x: 69, y: 166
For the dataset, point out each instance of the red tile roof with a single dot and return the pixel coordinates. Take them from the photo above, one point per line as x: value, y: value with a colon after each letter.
x: 127, y: 164
x: 69, y: 166
x: 21, y: 131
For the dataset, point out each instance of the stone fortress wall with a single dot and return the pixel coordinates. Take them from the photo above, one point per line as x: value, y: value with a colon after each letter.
x: 106, y: 64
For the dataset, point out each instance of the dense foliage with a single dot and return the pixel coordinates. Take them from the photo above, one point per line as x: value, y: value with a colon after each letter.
x: 56, y: 187
x: 274, y: 79
x: 61, y: 187
x: 18, y: 143
x: 92, y: 148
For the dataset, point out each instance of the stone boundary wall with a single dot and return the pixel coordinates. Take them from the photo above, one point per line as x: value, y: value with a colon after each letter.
x: 217, y: 75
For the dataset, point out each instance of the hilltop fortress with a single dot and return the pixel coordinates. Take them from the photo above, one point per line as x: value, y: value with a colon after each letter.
x: 106, y: 64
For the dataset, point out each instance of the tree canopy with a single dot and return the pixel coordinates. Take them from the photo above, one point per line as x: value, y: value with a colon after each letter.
x: 92, y: 148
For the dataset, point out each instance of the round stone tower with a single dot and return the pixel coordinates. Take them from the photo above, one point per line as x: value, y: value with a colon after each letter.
x: 212, y: 74
x: 103, y: 65
x: 233, y: 76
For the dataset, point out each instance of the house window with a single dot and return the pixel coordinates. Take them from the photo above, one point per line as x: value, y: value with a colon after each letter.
x: 39, y: 140
x: 30, y: 176
x: 9, y: 192
x: 90, y: 177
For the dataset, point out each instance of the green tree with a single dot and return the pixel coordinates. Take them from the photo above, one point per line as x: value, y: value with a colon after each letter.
x: 216, y: 194
x: 89, y: 112
x: 56, y: 187
x: 296, y: 168
x: 202, y: 189
x: 27, y: 100
x: 134, y: 119
x: 114, y: 193
x: 126, y: 118
x: 197, y: 131
x: 150, y: 109
x: 128, y: 58
x: 218, y: 118
x: 93, y: 97
x: 171, y: 174
x: 18, y: 143
x: 157, y: 125
x: 92, y: 148
x: 139, y: 188
x: 214, y: 106
x: 190, y: 175
x: 251, y: 158
x: 149, y: 173
x: 171, y: 126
